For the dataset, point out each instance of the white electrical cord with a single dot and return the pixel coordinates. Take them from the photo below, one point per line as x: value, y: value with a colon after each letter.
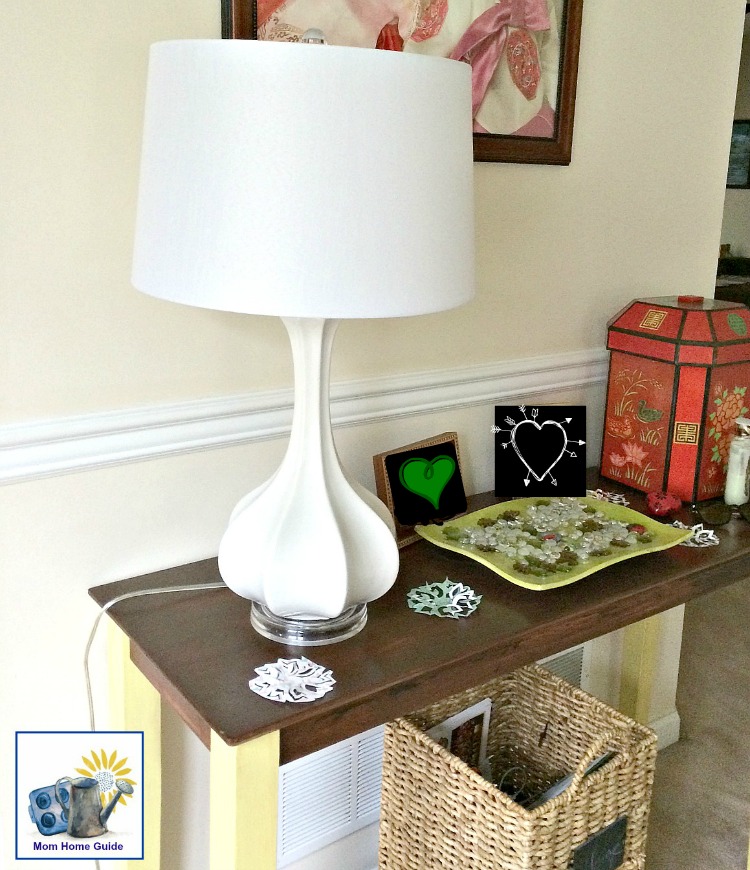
x: 105, y: 607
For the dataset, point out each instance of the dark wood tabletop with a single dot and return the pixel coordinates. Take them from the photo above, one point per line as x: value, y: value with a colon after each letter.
x: 199, y: 649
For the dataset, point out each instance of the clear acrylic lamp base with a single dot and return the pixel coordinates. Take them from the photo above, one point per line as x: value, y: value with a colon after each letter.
x: 308, y: 632
x: 311, y: 546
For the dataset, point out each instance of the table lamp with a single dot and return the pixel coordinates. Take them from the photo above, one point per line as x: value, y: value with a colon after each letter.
x: 312, y: 183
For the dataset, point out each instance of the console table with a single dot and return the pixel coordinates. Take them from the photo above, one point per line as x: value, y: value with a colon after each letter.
x: 196, y: 651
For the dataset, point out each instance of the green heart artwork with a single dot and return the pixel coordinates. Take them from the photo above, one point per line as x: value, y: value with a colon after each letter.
x: 427, y: 478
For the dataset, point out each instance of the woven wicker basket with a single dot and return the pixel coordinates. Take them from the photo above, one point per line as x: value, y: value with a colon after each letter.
x: 436, y: 812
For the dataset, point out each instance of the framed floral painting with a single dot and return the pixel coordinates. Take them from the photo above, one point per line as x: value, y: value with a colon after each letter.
x: 523, y: 55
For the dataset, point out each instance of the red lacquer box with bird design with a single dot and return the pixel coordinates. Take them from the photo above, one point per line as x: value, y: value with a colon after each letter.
x: 679, y: 373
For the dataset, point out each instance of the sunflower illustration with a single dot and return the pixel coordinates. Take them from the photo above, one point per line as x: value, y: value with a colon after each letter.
x: 107, y: 771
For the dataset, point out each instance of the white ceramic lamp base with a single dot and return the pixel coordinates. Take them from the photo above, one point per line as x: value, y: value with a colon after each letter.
x: 310, y: 547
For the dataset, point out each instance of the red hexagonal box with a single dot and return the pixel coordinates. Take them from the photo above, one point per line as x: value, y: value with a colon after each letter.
x: 679, y: 373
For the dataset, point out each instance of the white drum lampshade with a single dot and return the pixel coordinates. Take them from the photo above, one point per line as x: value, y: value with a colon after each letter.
x: 313, y: 183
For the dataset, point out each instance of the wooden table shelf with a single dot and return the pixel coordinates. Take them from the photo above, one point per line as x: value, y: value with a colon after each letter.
x: 198, y: 649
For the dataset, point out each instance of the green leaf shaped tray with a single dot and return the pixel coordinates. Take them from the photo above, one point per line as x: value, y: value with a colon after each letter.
x: 661, y: 538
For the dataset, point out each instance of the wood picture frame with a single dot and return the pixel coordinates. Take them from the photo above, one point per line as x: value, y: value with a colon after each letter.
x: 405, y: 506
x: 738, y: 172
x: 240, y: 21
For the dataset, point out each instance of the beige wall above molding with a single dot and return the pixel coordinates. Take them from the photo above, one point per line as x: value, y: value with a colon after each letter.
x: 559, y: 249
x: 735, y: 230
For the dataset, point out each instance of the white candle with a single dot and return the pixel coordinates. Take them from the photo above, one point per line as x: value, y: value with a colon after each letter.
x: 736, y: 489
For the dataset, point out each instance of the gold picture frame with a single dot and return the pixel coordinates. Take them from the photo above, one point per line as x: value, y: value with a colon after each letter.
x: 390, y: 489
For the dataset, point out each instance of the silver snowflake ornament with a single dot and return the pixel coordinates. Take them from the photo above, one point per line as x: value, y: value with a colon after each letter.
x: 700, y: 537
x: 448, y: 598
x: 611, y: 497
x: 296, y: 680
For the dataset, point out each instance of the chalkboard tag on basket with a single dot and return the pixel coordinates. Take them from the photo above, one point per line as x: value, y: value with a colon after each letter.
x: 605, y: 850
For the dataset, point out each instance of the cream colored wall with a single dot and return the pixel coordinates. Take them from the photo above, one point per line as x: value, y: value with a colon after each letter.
x: 559, y: 250
x: 735, y: 228
x: 736, y: 225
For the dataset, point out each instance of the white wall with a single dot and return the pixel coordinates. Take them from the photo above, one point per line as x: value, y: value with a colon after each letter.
x: 559, y: 251
x: 735, y: 228
x: 638, y: 211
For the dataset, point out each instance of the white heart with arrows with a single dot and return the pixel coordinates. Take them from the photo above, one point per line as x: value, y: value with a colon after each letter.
x: 540, y: 447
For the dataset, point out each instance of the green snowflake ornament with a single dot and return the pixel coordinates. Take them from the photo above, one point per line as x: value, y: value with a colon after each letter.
x: 448, y: 598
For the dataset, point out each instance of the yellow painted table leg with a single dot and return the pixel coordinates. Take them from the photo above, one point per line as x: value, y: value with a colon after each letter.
x: 639, y: 656
x: 135, y: 705
x: 244, y: 803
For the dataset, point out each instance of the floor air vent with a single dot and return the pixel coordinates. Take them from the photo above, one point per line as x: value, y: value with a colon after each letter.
x: 568, y: 665
x: 329, y: 794
x: 334, y: 792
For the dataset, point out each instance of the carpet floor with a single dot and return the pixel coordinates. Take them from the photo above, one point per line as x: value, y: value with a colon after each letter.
x: 700, y: 815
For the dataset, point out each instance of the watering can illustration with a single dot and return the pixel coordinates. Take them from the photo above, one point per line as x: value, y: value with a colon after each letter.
x: 86, y: 817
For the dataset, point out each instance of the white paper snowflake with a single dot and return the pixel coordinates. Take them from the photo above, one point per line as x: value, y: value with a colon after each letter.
x: 700, y: 538
x: 612, y: 497
x: 297, y: 680
x: 444, y: 599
